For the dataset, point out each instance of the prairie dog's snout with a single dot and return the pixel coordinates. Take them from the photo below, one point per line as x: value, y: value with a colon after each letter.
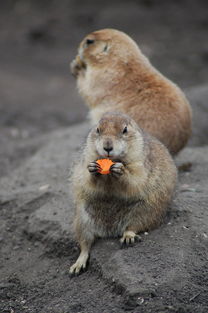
x: 108, y: 145
x: 111, y: 147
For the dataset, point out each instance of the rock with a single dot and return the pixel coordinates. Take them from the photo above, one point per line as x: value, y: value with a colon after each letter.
x: 198, y: 98
x: 168, y: 260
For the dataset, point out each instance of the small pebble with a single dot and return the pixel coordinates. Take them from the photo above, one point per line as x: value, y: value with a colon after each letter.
x: 44, y: 187
x: 140, y: 300
x: 16, y: 248
x: 15, y: 132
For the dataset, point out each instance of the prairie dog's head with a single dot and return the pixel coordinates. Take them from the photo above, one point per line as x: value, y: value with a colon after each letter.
x: 102, y: 47
x: 117, y: 137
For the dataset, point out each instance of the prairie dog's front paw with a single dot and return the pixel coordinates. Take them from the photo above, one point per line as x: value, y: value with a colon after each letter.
x: 93, y: 168
x: 117, y: 169
x: 76, y: 66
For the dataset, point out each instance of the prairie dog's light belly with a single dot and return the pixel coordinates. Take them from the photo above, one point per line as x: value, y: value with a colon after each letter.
x: 110, y: 217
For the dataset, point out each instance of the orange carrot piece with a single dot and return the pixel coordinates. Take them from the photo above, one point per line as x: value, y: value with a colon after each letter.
x: 105, y: 165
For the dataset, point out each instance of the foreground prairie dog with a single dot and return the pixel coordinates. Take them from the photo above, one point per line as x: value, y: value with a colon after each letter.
x: 113, y: 75
x: 133, y: 198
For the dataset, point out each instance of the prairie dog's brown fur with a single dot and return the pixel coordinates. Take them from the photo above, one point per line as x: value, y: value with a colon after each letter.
x: 131, y: 199
x: 113, y: 75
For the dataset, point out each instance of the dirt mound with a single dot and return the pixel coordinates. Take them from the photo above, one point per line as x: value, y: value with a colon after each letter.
x: 166, y: 271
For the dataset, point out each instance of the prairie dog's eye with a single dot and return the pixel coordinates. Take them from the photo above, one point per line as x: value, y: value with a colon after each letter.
x: 125, y: 130
x: 90, y: 41
x: 97, y: 130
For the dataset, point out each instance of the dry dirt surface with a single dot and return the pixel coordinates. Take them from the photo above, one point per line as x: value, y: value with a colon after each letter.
x: 43, y: 125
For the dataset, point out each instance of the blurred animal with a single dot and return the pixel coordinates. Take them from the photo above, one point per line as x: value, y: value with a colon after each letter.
x: 113, y: 75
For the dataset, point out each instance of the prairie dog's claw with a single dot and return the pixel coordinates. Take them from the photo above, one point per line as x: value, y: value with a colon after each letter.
x: 129, y: 238
x: 80, y: 265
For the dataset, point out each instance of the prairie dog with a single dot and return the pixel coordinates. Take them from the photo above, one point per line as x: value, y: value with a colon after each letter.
x: 133, y: 198
x: 113, y: 75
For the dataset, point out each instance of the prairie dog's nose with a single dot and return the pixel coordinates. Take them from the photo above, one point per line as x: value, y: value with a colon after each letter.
x: 109, y: 149
x: 108, y: 146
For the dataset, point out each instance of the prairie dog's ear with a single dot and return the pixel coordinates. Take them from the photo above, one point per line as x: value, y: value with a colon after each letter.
x: 106, y: 48
x: 101, y: 47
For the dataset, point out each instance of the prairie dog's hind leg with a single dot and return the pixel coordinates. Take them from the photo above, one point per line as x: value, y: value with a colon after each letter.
x: 85, y: 235
x: 129, y: 237
x: 81, y: 262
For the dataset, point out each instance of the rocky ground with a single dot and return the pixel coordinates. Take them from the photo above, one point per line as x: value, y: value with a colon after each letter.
x: 167, y: 271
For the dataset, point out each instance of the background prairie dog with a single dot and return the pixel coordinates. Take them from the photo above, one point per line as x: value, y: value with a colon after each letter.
x: 113, y: 75
x: 131, y: 199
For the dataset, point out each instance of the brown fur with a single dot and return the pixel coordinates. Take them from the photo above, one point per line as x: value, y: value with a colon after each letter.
x: 130, y: 200
x: 113, y: 75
